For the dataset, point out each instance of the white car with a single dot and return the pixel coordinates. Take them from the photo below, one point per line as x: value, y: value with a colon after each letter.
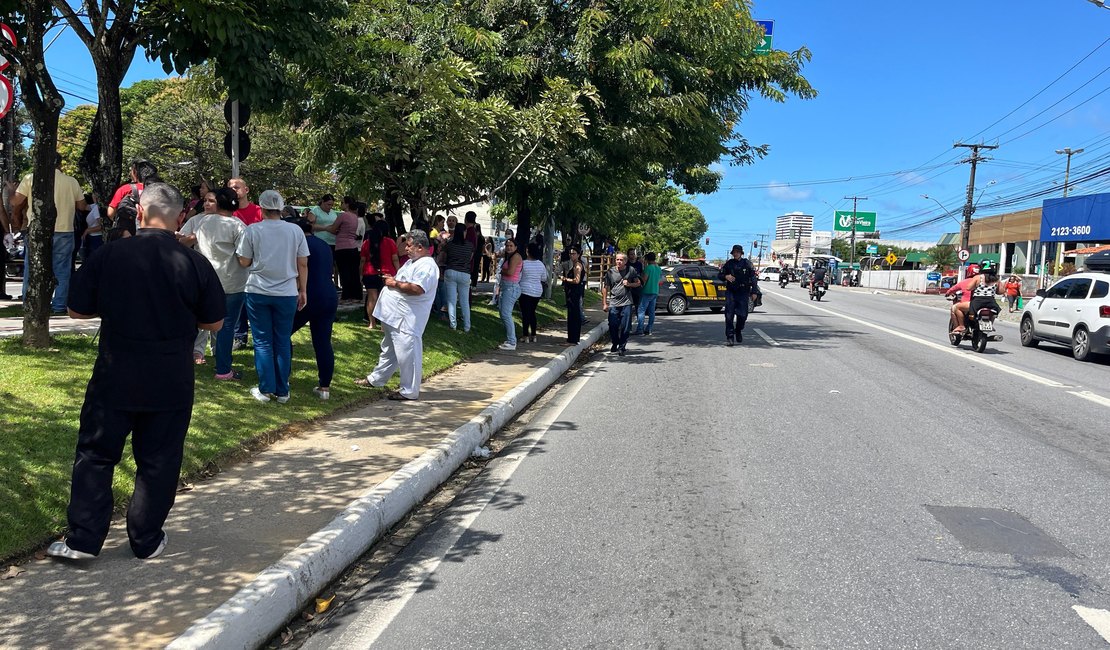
x: 1075, y: 311
x: 769, y: 273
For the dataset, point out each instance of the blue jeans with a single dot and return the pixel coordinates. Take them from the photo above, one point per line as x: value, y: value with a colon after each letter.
x: 510, y: 293
x: 226, y: 336
x: 619, y: 320
x: 456, y: 286
x: 271, y: 327
x: 647, y: 308
x: 62, y: 261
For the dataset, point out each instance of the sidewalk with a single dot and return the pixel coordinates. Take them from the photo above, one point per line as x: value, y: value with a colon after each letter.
x: 13, y: 325
x: 225, y: 531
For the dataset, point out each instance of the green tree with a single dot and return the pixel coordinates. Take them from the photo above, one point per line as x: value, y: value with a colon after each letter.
x: 944, y: 257
x: 73, y: 132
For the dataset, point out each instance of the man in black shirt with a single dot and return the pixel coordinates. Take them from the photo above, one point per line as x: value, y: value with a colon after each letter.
x: 151, y: 294
x: 738, y: 274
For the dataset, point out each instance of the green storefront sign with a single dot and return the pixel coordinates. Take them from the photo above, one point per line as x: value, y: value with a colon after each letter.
x: 865, y: 221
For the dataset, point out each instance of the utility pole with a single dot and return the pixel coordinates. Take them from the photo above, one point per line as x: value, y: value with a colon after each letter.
x: 1067, y: 170
x: 797, y: 246
x: 969, y: 207
x: 759, y: 260
x: 852, y: 240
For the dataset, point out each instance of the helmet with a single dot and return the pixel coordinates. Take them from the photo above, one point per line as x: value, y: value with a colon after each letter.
x: 987, y: 267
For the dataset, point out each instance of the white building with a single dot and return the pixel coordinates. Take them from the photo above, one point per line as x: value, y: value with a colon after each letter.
x: 790, y: 226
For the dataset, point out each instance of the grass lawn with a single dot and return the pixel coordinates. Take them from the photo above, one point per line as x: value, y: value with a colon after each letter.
x: 11, y: 310
x: 41, y: 392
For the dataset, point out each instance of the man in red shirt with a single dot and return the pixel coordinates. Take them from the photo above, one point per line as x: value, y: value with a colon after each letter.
x: 248, y: 212
x: 142, y: 171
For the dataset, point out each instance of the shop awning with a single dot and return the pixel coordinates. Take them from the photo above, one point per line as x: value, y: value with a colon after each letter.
x: 916, y: 257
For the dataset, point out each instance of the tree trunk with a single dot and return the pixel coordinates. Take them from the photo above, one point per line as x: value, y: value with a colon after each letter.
x: 523, y: 216
x: 394, y: 213
x: 44, y: 104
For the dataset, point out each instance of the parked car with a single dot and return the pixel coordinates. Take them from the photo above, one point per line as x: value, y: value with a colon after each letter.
x: 1074, y: 312
x: 769, y: 273
x: 690, y: 286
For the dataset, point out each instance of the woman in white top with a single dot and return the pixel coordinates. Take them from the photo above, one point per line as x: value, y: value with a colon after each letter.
x: 532, y: 276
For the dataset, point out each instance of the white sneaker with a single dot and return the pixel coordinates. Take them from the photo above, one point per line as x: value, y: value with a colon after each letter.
x: 259, y: 395
x: 322, y: 393
x: 281, y: 399
x: 61, y: 549
x: 507, y: 346
x: 161, y: 547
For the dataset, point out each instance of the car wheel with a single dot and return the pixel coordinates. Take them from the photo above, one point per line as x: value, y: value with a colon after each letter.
x: 1028, y: 339
x: 1081, y: 344
x: 676, y: 306
x: 716, y: 310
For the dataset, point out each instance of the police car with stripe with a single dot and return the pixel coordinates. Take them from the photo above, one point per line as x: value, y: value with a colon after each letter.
x: 688, y: 286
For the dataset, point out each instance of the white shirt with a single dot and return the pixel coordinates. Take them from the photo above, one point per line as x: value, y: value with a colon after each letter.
x: 532, y: 274
x: 217, y: 238
x: 92, y: 218
x: 406, y: 312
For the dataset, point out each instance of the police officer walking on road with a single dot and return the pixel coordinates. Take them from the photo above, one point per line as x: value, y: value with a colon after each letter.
x: 738, y: 275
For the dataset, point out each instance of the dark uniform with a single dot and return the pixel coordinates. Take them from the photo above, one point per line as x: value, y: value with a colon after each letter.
x: 736, y: 296
x: 150, y: 292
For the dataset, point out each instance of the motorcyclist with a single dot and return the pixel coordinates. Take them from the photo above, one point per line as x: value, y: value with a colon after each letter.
x: 784, y: 275
x: 818, y: 277
x: 977, y: 286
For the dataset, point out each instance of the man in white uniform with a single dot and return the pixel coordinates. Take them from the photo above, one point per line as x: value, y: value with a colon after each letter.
x: 403, y: 309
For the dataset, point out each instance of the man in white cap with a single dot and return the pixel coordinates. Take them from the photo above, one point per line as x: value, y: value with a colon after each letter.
x: 276, y: 254
x: 403, y: 308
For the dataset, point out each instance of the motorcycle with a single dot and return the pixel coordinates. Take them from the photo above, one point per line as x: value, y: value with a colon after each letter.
x: 818, y: 289
x: 783, y: 280
x: 978, y: 327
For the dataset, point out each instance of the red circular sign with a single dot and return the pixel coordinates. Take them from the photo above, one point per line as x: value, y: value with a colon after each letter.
x: 9, y: 35
x: 7, y: 94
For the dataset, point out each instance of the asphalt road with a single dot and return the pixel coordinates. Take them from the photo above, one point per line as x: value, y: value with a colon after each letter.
x: 843, y: 479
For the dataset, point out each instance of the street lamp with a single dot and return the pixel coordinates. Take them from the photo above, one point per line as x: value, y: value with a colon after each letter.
x: 947, y: 212
x: 1069, y: 152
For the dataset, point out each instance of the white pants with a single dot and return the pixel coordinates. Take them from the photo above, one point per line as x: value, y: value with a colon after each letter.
x: 400, y: 352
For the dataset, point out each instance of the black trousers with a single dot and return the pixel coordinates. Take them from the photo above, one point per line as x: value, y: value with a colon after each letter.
x: 736, y: 312
x: 158, y: 440
x: 574, y: 312
x: 350, y: 276
x: 528, y: 320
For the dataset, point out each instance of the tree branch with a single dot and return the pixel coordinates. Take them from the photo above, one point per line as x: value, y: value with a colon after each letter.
x: 71, y: 17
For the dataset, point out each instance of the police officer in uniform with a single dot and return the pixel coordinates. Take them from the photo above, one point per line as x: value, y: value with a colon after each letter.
x: 151, y: 294
x: 738, y: 274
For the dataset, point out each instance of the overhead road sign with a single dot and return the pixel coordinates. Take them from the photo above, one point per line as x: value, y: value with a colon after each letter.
x: 768, y: 31
x: 842, y: 221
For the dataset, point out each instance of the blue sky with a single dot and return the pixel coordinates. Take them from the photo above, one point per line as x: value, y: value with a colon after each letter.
x: 898, y: 83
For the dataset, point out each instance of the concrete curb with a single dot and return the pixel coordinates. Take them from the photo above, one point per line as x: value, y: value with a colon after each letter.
x: 254, y: 614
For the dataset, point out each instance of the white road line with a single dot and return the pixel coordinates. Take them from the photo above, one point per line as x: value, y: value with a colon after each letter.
x: 947, y: 349
x: 1096, y: 618
x: 763, y: 335
x: 368, y: 625
x: 1092, y: 397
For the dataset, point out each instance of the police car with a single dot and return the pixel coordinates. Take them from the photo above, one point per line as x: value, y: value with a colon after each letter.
x: 690, y: 286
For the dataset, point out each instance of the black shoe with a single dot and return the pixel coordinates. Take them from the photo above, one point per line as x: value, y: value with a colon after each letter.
x: 739, y: 337
x: 620, y: 352
x: 398, y: 397
x: 612, y: 348
x: 729, y: 342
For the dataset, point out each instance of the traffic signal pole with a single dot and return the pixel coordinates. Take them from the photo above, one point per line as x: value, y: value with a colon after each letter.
x: 852, y: 239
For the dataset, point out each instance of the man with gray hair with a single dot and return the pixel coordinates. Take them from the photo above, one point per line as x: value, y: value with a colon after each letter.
x: 403, y: 308
x: 151, y: 294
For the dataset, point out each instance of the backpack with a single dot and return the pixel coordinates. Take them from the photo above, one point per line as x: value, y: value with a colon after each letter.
x: 126, y: 218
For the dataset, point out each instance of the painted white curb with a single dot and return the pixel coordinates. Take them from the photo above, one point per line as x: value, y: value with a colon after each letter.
x: 258, y: 610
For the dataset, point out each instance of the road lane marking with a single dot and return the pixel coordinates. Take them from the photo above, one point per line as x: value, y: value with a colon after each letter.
x: 763, y: 335
x: 947, y: 349
x: 368, y: 624
x: 1092, y: 397
x: 1096, y: 618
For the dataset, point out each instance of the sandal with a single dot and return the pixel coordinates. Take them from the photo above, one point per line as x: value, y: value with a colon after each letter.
x: 363, y: 382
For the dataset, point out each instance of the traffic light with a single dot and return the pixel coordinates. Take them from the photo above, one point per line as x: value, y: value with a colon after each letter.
x: 237, y: 122
x: 755, y: 245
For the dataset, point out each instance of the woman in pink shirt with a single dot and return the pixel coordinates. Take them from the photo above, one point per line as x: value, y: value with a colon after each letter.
x: 345, y: 229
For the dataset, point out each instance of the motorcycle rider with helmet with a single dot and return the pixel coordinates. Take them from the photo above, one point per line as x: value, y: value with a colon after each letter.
x: 817, y: 277
x: 980, y: 289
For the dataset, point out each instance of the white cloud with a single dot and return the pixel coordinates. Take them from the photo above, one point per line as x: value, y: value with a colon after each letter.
x: 783, y: 192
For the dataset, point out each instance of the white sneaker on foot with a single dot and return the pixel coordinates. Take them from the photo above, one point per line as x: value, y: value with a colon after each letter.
x: 259, y: 395
x: 507, y: 346
x: 281, y: 399
x: 61, y: 549
x: 161, y: 547
x: 322, y: 393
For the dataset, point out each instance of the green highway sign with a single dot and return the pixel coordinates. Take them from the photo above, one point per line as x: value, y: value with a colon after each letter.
x: 764, y: 46
x: 865, y: 221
